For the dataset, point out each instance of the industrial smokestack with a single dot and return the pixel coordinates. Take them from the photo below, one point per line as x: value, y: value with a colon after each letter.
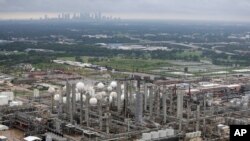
x: 139, y: 104
x: 164, y: 98
x: 179, y: 104
x: 68, y: 98
x: 118, y: 91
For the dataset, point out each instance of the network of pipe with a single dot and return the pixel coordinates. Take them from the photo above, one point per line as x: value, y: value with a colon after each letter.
x: 133, y: 104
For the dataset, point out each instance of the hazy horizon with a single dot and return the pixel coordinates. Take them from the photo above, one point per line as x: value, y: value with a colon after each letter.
x: 205, y: 10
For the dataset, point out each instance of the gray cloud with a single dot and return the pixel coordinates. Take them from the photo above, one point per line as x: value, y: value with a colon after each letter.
x: 215, y: 9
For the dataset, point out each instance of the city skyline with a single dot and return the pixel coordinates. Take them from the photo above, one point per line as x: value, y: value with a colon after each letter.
x: 208, y: 10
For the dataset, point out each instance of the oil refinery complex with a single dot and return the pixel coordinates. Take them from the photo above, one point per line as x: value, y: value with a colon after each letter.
x: 69, y: 107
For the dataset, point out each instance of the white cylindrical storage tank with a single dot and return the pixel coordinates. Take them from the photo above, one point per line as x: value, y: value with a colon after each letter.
x: 122, y: 97
x: 199, y: 133
x: 4, y: 100
x: 93, y: 101
x: 56, y: 97
x: 48, y: 138
x: 196, y: 134
x: 36, y: 93
x: 122, y: 87
x: 162, y: 133
x: 64, y: 99
x: 146, y: 136
x: 192, y: 135
x: 188, y: 135
x: 170, y: 132
x: 16, y: 103
x: 154, y: 135
x: 78, y: 96
x: 110, y: 99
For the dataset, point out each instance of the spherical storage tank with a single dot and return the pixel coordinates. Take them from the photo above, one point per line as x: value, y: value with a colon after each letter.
x: 113, y: 94
x: 113, y: 84
x: 56, y: 97
x: 100, y: 85
x: 80, y: 86
x: 109, y: 88
x: 93, y: 101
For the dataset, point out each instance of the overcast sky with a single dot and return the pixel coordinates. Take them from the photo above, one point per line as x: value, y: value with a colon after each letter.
x: 230, y: 10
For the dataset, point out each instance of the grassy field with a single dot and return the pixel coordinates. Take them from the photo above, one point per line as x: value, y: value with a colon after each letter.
x: 136, y: 65
x: 133, y: 65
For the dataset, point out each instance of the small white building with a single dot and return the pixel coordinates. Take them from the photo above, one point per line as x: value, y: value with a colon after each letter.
x: 32, y: 138
x: 3, y: 138
x: 3, y: 127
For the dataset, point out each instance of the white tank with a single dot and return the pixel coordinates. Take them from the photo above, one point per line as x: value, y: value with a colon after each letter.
x: 154, y: 135
x: 51, y: 90
x: 188, y: 135
x: 9, y: 94
x: 170, y: 132
x: 196, y: 134
x: 78, y: 96
x: 100, y: 85
x: 91, y: 91
x: 4, y: 100
x: 109, y: 88
x: 122, y: 97
x: 199, y: 133
x: 122, y: 87
x: 148, y: 93
x: 103, y: 93
x: 56, y: 97
x: 16, y: 103
x: 36, y: 93
x: 162, y: 133
x: 80, y: 86
x: 146, y: 136
x: 113, y: 84
x: 192, y: 135
x: 93, y: 101
x: 64, y: 99
x: 113, y: 94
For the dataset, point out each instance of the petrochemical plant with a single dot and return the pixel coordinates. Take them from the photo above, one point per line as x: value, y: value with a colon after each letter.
x: 132, y: 108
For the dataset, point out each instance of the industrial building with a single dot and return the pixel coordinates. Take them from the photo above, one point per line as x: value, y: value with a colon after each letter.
x: 131, y: 108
